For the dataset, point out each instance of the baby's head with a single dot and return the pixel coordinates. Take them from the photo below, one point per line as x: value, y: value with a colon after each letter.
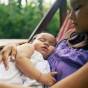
x: 44, y: 43
x: 80, y: 14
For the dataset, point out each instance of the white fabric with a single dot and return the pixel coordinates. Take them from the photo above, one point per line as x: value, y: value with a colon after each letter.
x: 42, y: 65
x: 13, y: 75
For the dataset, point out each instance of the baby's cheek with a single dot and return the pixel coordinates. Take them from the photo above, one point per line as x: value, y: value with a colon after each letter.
x: 51, y: 49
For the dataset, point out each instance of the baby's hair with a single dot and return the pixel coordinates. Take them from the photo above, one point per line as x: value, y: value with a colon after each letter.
x: 35, y: 36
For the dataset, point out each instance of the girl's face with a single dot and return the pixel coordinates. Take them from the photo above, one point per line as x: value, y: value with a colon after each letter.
x: 80, y: 16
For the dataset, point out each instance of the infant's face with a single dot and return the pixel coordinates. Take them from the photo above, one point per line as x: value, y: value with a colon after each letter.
x: 44, y: 43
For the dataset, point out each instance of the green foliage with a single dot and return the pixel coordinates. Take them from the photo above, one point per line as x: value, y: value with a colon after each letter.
x: 54, y: 25
x: 18, y: 22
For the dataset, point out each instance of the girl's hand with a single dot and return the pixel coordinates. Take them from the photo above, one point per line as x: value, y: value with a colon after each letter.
x: 9, y: 50
x: 48, y: 79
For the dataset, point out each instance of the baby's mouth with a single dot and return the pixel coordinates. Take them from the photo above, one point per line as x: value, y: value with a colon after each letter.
x: 45, y: 49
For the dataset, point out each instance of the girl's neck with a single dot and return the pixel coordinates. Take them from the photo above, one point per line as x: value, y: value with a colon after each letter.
x: 78, y: 40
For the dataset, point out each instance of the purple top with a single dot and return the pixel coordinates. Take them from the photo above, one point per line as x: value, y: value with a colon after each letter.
x: 66, y: 60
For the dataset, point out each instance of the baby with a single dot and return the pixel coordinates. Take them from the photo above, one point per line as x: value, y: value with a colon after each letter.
x: 37, y: 52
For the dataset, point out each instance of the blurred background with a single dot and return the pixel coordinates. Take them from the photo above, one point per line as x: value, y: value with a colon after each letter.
x: 18, y: 18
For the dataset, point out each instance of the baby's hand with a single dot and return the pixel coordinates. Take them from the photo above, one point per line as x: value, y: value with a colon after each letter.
x: 48, y: 79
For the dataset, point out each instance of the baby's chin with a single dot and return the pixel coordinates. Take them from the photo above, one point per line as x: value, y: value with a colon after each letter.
x: 45, y: 55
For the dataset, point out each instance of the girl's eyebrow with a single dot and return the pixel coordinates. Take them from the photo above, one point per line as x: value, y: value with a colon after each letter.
x: 77, y: 7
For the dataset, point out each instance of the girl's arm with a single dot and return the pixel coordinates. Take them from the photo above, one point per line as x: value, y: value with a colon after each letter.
x: 26, y: 49
x: 29, y: 70
x: 6, y: 85
x: 79, y: 79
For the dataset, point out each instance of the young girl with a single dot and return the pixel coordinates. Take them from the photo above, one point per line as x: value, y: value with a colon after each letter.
x: 72, y: 54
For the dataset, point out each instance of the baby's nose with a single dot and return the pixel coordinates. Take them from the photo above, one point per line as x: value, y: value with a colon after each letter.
x: 46, y: 43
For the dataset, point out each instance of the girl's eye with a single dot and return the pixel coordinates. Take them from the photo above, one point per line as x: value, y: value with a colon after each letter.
x: 77, y: 7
